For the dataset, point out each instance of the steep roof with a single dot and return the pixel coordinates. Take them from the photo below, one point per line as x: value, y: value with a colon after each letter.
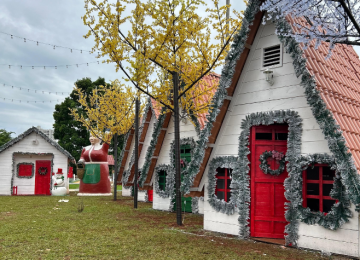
x: 210, y: 80
x: 37, y: 131
x: 338, y: 81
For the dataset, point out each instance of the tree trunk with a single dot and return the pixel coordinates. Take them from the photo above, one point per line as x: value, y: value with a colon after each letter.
x: 136, y: 168
x: 115, y: 165
x: 177, y: 149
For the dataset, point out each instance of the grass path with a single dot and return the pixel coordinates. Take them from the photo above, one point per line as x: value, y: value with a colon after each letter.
x: 36, y: 227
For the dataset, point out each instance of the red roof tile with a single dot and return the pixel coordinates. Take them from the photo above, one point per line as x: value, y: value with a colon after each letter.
x: 338, y: 80
x: 110, y: 160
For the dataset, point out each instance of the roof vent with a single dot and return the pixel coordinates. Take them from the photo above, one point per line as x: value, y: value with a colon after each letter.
x: 35, y: 142
x: 272, y: 56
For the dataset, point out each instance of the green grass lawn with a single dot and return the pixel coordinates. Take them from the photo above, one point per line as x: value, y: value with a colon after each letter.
x: 40, y: 227
x: 76, y: 186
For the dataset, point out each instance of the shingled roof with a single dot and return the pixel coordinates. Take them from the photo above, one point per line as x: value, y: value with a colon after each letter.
x: 39, y: 132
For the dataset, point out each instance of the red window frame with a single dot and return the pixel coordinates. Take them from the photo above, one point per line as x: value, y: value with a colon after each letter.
x: 226, y: 178
x: 320, y: 197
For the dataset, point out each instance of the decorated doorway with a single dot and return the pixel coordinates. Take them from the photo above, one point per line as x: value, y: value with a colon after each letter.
x: 42, y: 177
x: 268, y: 146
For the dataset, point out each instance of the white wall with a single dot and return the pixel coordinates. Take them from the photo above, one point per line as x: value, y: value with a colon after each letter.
x: 126, y: 192
x: 253, y: 94
x: 186, y: 130
x: 26, y: 146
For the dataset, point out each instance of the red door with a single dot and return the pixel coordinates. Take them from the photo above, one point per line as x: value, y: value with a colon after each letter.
x: 267, y: 191
x: 42, y: 177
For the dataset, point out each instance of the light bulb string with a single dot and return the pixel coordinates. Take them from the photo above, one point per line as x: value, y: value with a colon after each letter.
x: 50, y: 66
x: 58, y: 93
x: 44, y: 43
x: 2, y: 99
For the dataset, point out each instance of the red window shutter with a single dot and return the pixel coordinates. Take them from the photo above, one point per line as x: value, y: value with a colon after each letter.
x: 25, y: 170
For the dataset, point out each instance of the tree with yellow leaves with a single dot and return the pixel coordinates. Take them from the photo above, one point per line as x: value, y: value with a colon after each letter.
x: 171, y: 46
x: 109, y: 113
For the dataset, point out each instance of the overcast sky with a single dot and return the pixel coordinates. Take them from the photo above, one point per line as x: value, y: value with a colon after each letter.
x: 57, y: 23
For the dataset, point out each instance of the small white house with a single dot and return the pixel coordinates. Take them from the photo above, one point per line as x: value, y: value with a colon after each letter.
x: 28, y: 161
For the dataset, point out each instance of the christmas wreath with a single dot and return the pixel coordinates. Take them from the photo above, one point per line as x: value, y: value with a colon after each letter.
x: 43, y: 170
x: 277, y: 156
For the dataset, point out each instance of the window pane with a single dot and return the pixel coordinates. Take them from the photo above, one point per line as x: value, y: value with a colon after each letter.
x: 162, y: 186
x: 313, y: 204
x: 161, y: 179
x: 327, y: 204
x: 187, y: 150
x: 312, y: 173
x: 326, y: 189
x: 263, y: 136
x: 312, y: 189
x: 228, y: 184
x: 221, y: 184
x: 220, y: 195
x: 228, y: 196
x: 220, y: 172
x: 328, y: 174
x: 281, y: 136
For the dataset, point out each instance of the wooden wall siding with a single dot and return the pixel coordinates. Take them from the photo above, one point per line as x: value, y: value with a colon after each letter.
x: 253, y: 94
x: 25, y: 145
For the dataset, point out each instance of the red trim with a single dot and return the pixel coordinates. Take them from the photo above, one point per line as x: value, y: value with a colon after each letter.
x: 226, y: 178
x: 267, y: 209
x: 320, y: 197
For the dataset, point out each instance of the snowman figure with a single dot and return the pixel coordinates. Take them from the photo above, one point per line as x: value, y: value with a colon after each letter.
x: 59, y: 187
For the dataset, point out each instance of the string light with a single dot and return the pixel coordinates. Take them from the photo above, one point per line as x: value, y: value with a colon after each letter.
x: 36, y: 90
x: 44, y: 43
x: 28, y: 101
x: 50, y: 66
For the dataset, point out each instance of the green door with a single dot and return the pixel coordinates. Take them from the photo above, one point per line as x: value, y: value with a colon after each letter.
x: 185, y: 155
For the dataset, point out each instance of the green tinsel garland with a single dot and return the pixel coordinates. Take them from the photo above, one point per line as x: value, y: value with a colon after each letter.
x: 150, y: 151
x: 220, y: 205
x: 25, y: 177
x: 227, y: 74
x: 241, y: 178
x: 170, y: 180
x: 265, y: 167
x: 126, y: 173
x: 195, y: 204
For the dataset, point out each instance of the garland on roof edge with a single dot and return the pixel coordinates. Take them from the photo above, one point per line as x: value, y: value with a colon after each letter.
x: 195, y: 204
x: 150, y: 151
x: 227, y: 74
x: 220, y: 205
x: 126, y: 174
